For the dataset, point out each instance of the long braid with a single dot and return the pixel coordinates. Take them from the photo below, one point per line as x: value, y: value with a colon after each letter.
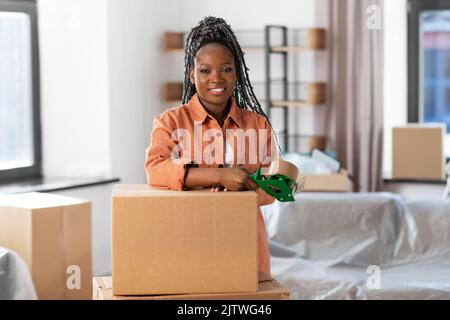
x: 212, y: 29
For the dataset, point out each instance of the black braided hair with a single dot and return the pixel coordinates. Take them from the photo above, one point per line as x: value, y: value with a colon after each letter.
x: 216, y: 30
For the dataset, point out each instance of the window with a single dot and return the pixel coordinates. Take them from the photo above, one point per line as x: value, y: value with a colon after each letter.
x: 20, y: 149
x: 429, y: 61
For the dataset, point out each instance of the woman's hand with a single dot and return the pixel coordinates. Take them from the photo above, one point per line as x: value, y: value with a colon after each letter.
x: 234, y: 179
x: 219, y: 179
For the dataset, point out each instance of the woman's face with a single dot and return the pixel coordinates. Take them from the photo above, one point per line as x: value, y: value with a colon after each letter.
x: 214, y: 75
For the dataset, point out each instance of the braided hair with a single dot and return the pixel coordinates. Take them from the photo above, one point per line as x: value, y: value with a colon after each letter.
x: 216, y: 30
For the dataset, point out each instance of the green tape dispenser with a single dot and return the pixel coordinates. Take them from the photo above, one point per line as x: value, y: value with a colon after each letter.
x: 281, y: 180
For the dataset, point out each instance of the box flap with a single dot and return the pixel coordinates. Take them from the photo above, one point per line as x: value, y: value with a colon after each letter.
x: 38, y: 200
x: 142, y: 190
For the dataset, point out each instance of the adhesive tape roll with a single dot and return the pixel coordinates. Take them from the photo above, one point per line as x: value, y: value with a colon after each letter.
x: 284, y: 168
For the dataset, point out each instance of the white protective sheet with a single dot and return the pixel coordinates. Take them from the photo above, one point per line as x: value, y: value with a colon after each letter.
x: 323, y: 244
x: 15, y: 278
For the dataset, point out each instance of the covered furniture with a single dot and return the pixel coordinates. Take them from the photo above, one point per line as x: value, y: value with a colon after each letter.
x: 360, y: 246
x: 15, y: 278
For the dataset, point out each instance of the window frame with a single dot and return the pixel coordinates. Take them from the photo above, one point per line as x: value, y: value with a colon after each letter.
x: 28, y: 7
x: 415, y: 7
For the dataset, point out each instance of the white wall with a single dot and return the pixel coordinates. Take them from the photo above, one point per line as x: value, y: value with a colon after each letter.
x: 101, y: 74
x: 74, y: 88
x: 137, y: 69
x: 249, y: 14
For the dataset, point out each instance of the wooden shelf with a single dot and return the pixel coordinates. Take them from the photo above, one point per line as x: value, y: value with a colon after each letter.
x: 256, y: 49
x: 314, y: 141
x: 174, y: 50
x: 315, y: 39
x: 315, y: 95
x: 291, y: 49
x: 275, y: 104
x: 173, y: 41
x: 291, y: 103
x: 172, y: 91
x: 173, y: 102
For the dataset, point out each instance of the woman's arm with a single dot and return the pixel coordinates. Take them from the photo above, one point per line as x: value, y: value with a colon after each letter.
x: 202, y: 177
x: 232, y: 179
x: 163, y: 171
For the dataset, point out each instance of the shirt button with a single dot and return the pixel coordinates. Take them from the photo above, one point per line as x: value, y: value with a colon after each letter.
x: 218, y: 135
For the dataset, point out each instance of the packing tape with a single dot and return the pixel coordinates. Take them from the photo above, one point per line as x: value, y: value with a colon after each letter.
x: 284, y: 168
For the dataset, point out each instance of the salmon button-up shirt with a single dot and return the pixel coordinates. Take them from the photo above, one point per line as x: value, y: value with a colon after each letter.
x: 187, y: 136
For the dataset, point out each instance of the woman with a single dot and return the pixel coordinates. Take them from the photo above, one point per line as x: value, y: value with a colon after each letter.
x: 220, y: 134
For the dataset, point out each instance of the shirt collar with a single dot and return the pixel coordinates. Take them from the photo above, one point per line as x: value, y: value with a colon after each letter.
x: 198, y: 112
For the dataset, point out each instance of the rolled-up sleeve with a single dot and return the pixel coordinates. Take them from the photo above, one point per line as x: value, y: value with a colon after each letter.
x: 162, y: 169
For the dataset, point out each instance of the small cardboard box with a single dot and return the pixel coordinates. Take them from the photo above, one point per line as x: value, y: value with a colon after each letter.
x: 171, y: 242
x: 52, y: 234
x: 336, y: 182
x: 267, y: 290
x: 418, y: 152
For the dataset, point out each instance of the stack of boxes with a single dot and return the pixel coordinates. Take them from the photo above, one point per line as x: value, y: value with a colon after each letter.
x: 184, y: 245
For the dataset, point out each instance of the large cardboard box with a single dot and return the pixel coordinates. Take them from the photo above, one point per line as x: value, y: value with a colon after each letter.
x: 52, y: 234
x: 267, y: 290
x: 418, y: 152
x: 335, y: 182
x: 171, y: 242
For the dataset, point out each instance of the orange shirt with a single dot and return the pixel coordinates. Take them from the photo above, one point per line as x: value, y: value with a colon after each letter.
x: 186, y: 134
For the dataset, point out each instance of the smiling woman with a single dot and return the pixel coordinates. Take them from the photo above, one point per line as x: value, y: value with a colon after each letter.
x: 222, y: 113
x: 216, y: 31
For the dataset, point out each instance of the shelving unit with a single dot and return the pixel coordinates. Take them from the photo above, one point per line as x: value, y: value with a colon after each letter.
x: 312, y: 94
x: 316, y: 91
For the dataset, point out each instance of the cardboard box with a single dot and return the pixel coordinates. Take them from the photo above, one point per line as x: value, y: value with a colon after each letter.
x: 336, y: 182
x: 171, y: 242
x: 267, y: 290
x: 418, y: 152
x: 52, y: 234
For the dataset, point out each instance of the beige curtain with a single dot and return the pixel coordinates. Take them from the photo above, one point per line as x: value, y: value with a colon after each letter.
x: 355, y: 114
